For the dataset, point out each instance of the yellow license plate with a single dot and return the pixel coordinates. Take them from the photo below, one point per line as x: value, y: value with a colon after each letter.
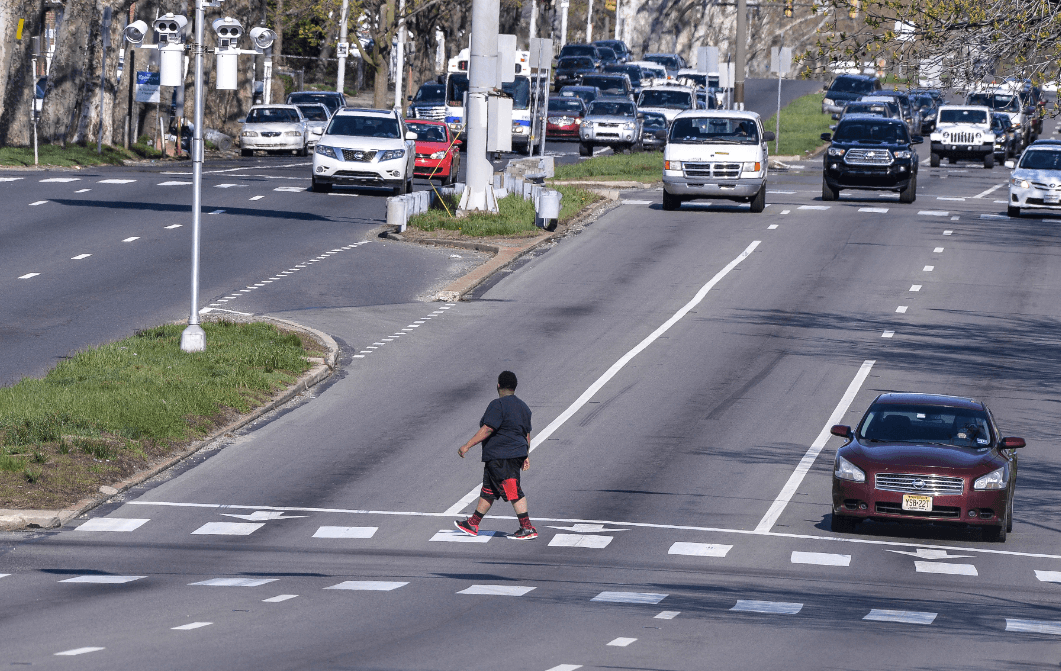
x: 917, y: 502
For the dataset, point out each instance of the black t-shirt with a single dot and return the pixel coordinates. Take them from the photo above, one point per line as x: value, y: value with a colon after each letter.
x: 510, y: 418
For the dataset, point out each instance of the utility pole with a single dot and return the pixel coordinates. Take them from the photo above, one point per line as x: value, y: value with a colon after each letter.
x: 106, y: 43
x: 533, y: 21
x: 564, y: 4
x: 400, y: 61
x: 589, y: 23
x: 343, y: 48
x: 741, y: 54
x: 618, y: 21
x: 482, y: 76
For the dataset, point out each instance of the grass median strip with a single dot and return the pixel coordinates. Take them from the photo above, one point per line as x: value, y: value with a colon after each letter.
x: 110, y: 411
x: 515, y: 216
x: 638, y: 166
x: 74, y: 155
x: 802, y: 124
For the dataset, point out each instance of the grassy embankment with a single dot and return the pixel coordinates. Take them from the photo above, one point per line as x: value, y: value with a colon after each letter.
x: 109, y: 411
x: 637, y: 167
x: 802, y: 124
x: 77, y: 154
x: 514, y: 218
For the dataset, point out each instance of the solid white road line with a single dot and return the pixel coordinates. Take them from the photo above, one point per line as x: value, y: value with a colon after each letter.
x: 279, y: 597
x: 79, y: 257
x: 369, y: 585
x: 234, y: 582
x: 622, y: 642
x: 647, y: 598
x: 794, y: 481
x: 1048, y: 576
x: 990, y: 191
x: 933, y: 213
x: 345, y: 532
x: 192, y: 625
x: 937, y: 250
x: 928, y: 269
x: 915, y: 287
x: 877, y: 210
x: 497, y: 590
x: 227, y: 529
x: 104, y: 579
x: 1034, y: 626
x: 900, y: 616
x: 112, y: 524
x: 616, y: 367
x: 39, y: 202
x: 902, y: 309
x: 580, y: 541
x: 820, y: 558
x: 943, y: 567
x: 27, y: 276
x: 888, y: 334
x: 699, y: 549
x: 77, y: 651
x: 668, y: 615
x: 771, y: 607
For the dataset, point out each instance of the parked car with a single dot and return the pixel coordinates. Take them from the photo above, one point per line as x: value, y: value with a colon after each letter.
x: 564, y: 117
x: 365, y: 148
x: 570, y: 69
x: 437, y: 154
x: 616, y: 84
x: 719, y: 154
x: 273, y: 128
x: 963, y: 132
x: 1036, y: 180
x: 317, y: 118
x: 611, y: 121
x: 654, y: 129
x: 846, y: 88
x: 667, y: 100
x: 868, y: 152
x: 1006, y: 143
x: 587, y: 93
x: 333, y: 100
x: 429, y: 102
x: 671, y: 62
x: 926, y: 458
x: 618, y: 46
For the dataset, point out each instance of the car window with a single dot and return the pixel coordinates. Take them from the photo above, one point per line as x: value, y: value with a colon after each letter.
x: 848, y: 85
x: 272, y: 115
x: 606, y: 84
x: 314, y: 113
x: 565, y: 105
x: 962, y: 116
x: 329, y: 100
x: 588, y: 95
x: 960, y: 427
x: 579, y: 50
x: 669, y: 62
x: 456, y: 87
x: 609, y: 108
x: 519, y: 90
x: 697, y: 130
x: 365, y: 126
x: 427, y: 132
x: 870, y: 131
x: 1040, y: 159
x: 1005, y: 103
x: 575, y: 63
x: 670, y: 99
x: 655, y: 121
x: 430, y: 93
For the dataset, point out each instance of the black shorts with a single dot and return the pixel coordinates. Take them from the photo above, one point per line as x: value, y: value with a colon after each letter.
x: 501, y: 479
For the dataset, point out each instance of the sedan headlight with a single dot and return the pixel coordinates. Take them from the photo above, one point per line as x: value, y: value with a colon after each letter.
x: 293, y: 133
x: 438, y: 155
x: 330, y: 152
x: 904, y: 153
x: 996, y: 479
x: 391, y: 154
x: 946, y: 136
x: 629, y: 125
x: 672, y: 165
x: 753, y: 166
x: 1022, y: 183
x: 836, y: 151
x: 845, y: 470
x: 249, y: 133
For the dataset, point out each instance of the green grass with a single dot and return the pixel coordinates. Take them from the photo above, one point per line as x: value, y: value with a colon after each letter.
x: 71, y: 155
x: 515, y: 216
x: 641, y: 167
x: 802, y: 124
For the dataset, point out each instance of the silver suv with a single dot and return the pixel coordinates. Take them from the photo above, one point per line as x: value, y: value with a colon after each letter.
x: 610, y: 121
x: 365, y: 147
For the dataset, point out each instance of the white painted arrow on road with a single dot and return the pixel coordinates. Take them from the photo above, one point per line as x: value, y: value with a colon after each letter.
x: 926, y: 553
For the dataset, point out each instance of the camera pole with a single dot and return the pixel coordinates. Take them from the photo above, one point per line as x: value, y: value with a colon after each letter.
x: 193, y: 338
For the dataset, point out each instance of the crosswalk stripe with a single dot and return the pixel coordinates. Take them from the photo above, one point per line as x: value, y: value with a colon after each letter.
x: 1048, y: 576
x: 228, y: 528
x: 279, y: 597
x: 621, y: 642
x: 580, y: 541
x: 699, y: 549
x: 648, y: 598
x: 104, y: 579
x: 771, y: 607
x: 112, y: 524
x: 943, y: 567
x: 1034, y: 626
x: 116, y: 181
x: 192, y: 625
x: 497, y: 590
x: 821, y: 558
x: 345, y: 532
x: 369, y: 585
x: 234, y: 582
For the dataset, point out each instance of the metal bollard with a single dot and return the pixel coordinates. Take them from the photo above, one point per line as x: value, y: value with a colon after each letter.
x: 528, y: 189
x: 548, y: 209
x: 397, y: 213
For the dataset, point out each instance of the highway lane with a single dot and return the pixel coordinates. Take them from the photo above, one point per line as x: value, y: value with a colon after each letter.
x: 655, y: 486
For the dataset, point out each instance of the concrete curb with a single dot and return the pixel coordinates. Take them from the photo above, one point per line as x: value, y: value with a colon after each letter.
x: 14, y: 520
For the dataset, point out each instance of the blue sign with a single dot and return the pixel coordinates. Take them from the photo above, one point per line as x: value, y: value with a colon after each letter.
x: 147, y: 84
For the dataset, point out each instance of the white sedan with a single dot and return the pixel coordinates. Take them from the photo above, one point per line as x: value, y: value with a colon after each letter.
x: 274, y: 128
x: 1036, y: 181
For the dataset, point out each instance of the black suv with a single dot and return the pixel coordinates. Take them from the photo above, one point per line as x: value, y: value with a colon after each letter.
x: 868, y: 152
x: 569, y: 70
x: 846, y: 88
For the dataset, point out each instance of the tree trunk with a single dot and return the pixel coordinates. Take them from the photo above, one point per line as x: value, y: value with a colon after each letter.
x: 16, y: 80
x: 381, y: 54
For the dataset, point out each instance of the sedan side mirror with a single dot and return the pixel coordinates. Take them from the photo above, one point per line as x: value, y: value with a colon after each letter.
x: 1012, y: 443
x: 1010, y: 164
x: 768, y: 136
x: 841, y: 430
x: 917, y: 139
x: 409, y: 135
x: 827, y: 137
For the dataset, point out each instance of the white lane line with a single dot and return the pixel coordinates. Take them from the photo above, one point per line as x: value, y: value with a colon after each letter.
x: 1048, y: 576
x: 10, y: 179
x: 995, y: 217
x: 699, y: 549
x: 900, y: 616
x: 290, y: 189
x: 369, y: 585
x: 785, y: 211
x: 228, y: 529
x: 621, y: 642
x: 79, y: 257
x: 668, y: 615
x: 27, y: 276
x: 990, y: 191
x: 565, y: 667
x: 771, y: 607
x: 1034, y: 626
x: 1000, y: 202
x: 77, y: 651
x: 131, y: 239
x: 794, y: 481
x: 454, y: 536
x: 192, y: 625
x: 112, y: 524
x: 637, y: 202
x: 887, y: 334
x: 256, y: 198
x: 4, y: 575
x: 955, y: 218
x: 877, y: 210
x: 937, y: 250
x: 771, y: 227
x: 279, y: 597
x: 173, y: 183
x: 960, y: 200
x: 39, y: 202
x: 497, y: 590
x: 173, y: 226
x: 345, y: 532
x: 787, y: 193
x: 116, y: 181
x: 928, y: 269
x: 616, y: 367
x: 580, y: 541
x: 915, y: 287
x: 224, y: 186
x: 945, y: 568
x: 933, y: 213
x: 820, y: 558
x: 813, y: 207
x: 82, y: 191
x: 104, y: 579
x: 234, y: 582
x: 61, y: 179
x: 902, y: 309
x: 217, y: 212
x: 948, y: 232
x: 647, y: 598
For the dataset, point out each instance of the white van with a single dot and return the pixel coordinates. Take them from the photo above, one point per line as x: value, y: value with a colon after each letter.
x: 716, y: 154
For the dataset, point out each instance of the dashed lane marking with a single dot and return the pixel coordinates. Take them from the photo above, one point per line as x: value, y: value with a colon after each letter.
x: 290, y: 189
x: 27, y: 276
x: 173, y: 226
x: 217, y: 212
x: 928, y: 269
x: 112, y: 524
x: 937, y: 250
x: 228, y: 529
x: 104, y: 579
x: 79, y: 257
x: 62, y: 180
x: 875, y: 210
x: 945, y: 568
x: 131, y: 239
x: 948, y: 232
x: 621, y: 642
x: 699, y: 549
x: 10, y: 179
x: 234, y: 582
x: 1034, y: 626
x: 279, y: 597
x: 174, y: 183
x: 646, y: 598
x: 580, y: 541
x: 116, y: 181
x: 915, y: 287
x: 77, y: 651
x: 787, y: 193
x: 933, y: 213
x: 39, y: 202
x: 4, y: 575
x: 638, y: 202
x: 770, y: 607
x: 1048, y: 576
x: 900, y: 616
x: 565, y: 667
x: 813, y: 207
x: 345, y: 532
x: 369, y: 585
x: 257, y: 197
x: 82, y: 191
x: 785, y: 211
x: 771, y: 227
x: 957, y: 199
x: 820, y: 559
x: 497, y: 590
x: 226, y: 186
x: 192, y: 625
x: 888, y: 334
x: 902, y: 309
x: 668, y: 615
x: 995, y: 217
x: 955, y: 218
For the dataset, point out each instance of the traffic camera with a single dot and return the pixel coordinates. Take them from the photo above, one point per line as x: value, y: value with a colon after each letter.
x: 134, y: 33
x: 263, y: 38
x: 228, y: 31
x: 170, y: 29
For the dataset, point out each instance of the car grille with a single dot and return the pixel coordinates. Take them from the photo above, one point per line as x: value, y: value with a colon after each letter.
x: 938, y: 512
x: 359, y: 155
x: 868, y: 157
x: 607, y: 125
x: 270, y: 133
x: 357, y: 174
x: 561, y: 120
x: 436, y: 113
x: 959, y: 138
x: 932, y: 485
x: 720, y: 170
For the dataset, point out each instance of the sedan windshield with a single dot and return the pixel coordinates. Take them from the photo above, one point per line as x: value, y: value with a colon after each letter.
x: 314, y: 113
x: 848, y: 85
x: 871, y: 131
x: 574, y: 63
x: 962, y: 116
x: 273, y: 115
x: 580, y: 50
x: 608, y: 108
x: 365, y: 126
x: 697, y: 130
x: 679, y: 100
x: 606, y: 84
x: 430, y: 93
x: 1041, y: 159
x: 669, y: 62
x: 938, y: 425
x: 565, y: 106
x: 1006, y: 103
x: 654, y: 121
x: 427, y: 132
x: 863, y: 108
x: 329, y: 100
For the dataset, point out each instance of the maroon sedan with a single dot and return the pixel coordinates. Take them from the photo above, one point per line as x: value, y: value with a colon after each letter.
x: 926, y: 458
x: 565, y: 117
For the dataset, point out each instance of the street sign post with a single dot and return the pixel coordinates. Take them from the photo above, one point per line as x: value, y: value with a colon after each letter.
x: 781, y: 63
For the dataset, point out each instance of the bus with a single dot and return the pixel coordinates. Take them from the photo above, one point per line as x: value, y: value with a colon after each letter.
x: 519, y: 90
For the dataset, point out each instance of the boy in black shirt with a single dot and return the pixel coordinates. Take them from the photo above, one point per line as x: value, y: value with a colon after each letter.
x: 504, y: 432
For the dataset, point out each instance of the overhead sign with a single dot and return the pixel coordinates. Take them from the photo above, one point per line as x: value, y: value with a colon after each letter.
x: 147, y: 84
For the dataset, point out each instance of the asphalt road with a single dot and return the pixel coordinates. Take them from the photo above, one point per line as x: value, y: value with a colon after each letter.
x: 679, y: 366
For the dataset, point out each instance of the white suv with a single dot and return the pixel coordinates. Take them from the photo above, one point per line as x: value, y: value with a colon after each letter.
x: 365, y: 147
x: 963, y: 132
x: 1036, y: 181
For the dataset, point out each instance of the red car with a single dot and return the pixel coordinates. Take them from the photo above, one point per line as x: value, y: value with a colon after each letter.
x: 926, y: 458
x: 565, y: 117
x: 437, y: 155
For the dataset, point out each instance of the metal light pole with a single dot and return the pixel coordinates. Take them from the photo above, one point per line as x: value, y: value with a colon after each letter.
x: 740, y: 64
x: 344, y: 48
x: 482, y: 76
x: 589, y: 23
x: 106, y: 42
x: 533, y: 32
x: 564, y: 4
x: 618, y: 21
x: 193, y: 338
x: 400, y: 61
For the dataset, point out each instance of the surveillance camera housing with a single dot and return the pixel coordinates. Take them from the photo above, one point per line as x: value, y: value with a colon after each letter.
x: 228, y: 31
x: 170, y: 28
x: 263, y: 38
x: 134, y: 33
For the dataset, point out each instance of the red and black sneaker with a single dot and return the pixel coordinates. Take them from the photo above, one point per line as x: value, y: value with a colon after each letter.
x: 524, y: 534
x: 467, y: 527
